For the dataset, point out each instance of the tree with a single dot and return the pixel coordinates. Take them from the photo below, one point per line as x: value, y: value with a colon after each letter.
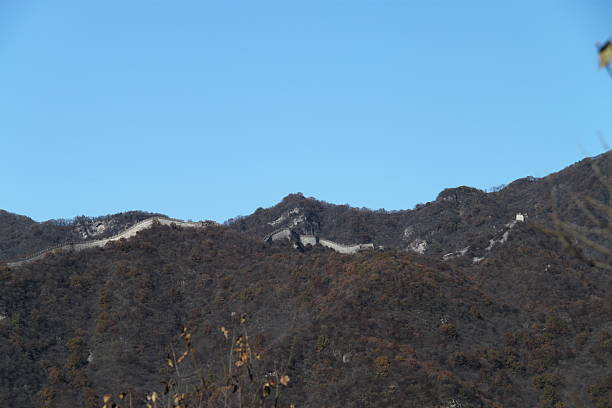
x: 591, y: 243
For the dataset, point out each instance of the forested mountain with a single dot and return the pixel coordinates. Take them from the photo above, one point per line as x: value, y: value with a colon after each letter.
x: 462, y: 303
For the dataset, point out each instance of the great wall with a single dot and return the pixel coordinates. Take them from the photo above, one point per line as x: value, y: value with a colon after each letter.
x: 128, y: 233
x: 284, y: 233
x: 287, y: 233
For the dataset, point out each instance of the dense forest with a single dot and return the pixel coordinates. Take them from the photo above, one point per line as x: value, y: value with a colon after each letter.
x: 216, y: 317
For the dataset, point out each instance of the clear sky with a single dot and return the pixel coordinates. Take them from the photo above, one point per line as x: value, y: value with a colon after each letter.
x: 210, y: 109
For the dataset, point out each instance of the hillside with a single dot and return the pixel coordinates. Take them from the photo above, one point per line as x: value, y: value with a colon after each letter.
x: 519, y: 322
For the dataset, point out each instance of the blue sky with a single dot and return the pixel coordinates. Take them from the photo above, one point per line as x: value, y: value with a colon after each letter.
x: 207, y: 110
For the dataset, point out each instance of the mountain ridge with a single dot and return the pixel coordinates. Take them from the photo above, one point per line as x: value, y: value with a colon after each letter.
x: 459, y: 217
x: 454, y: 216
